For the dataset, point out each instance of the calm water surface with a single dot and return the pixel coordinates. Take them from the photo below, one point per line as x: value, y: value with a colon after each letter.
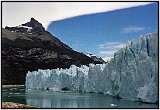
x: 50, y: 99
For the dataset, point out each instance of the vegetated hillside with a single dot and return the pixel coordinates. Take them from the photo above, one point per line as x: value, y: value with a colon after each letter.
x: 30, y: 47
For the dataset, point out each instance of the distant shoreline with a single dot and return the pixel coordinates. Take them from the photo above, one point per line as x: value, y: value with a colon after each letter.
x: 11, y: 85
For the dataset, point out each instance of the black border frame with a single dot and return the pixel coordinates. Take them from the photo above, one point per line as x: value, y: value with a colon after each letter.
x: 78, y: 2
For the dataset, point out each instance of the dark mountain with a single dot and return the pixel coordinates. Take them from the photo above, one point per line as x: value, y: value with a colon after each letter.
x: 29, y: 47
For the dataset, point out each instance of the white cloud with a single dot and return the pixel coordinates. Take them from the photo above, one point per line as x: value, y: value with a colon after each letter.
x: 111, y: 45
x: 107, y: 52
x: 15, y: 13
x: 132, y: 29
x: 107, y: 49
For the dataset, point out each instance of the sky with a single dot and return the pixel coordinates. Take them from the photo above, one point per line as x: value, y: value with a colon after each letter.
x: 102, y: 34
x: 100, y: 28
x: 45, y: 12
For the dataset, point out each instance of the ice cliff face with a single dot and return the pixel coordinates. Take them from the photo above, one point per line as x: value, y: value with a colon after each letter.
x: 132, y: 74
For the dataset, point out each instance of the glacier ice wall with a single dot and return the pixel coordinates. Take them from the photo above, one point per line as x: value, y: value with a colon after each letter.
x: 132, y: 74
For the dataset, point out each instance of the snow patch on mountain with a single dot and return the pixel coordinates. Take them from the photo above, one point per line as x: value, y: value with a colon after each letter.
x: 94, y: 57
x: 29, y: 28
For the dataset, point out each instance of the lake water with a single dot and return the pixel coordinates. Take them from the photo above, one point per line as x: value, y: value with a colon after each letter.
x: 50, y: 99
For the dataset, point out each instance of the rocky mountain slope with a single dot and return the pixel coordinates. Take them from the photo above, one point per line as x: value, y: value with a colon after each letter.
x: 30, y: 47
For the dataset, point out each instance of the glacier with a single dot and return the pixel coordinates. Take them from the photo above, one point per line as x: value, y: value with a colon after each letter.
x: 132, y: 74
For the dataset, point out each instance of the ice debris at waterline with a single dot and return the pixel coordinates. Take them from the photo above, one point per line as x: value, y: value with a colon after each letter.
x: 132, y: 74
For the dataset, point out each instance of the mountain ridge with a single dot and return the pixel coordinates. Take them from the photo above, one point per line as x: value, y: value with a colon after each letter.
x: 29, y: 47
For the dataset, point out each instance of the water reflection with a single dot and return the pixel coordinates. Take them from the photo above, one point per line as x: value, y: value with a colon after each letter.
x: 50, y: 99
x: 79, y: 100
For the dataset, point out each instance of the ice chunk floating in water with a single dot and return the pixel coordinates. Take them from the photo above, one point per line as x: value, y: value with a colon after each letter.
x: 132, y: 74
